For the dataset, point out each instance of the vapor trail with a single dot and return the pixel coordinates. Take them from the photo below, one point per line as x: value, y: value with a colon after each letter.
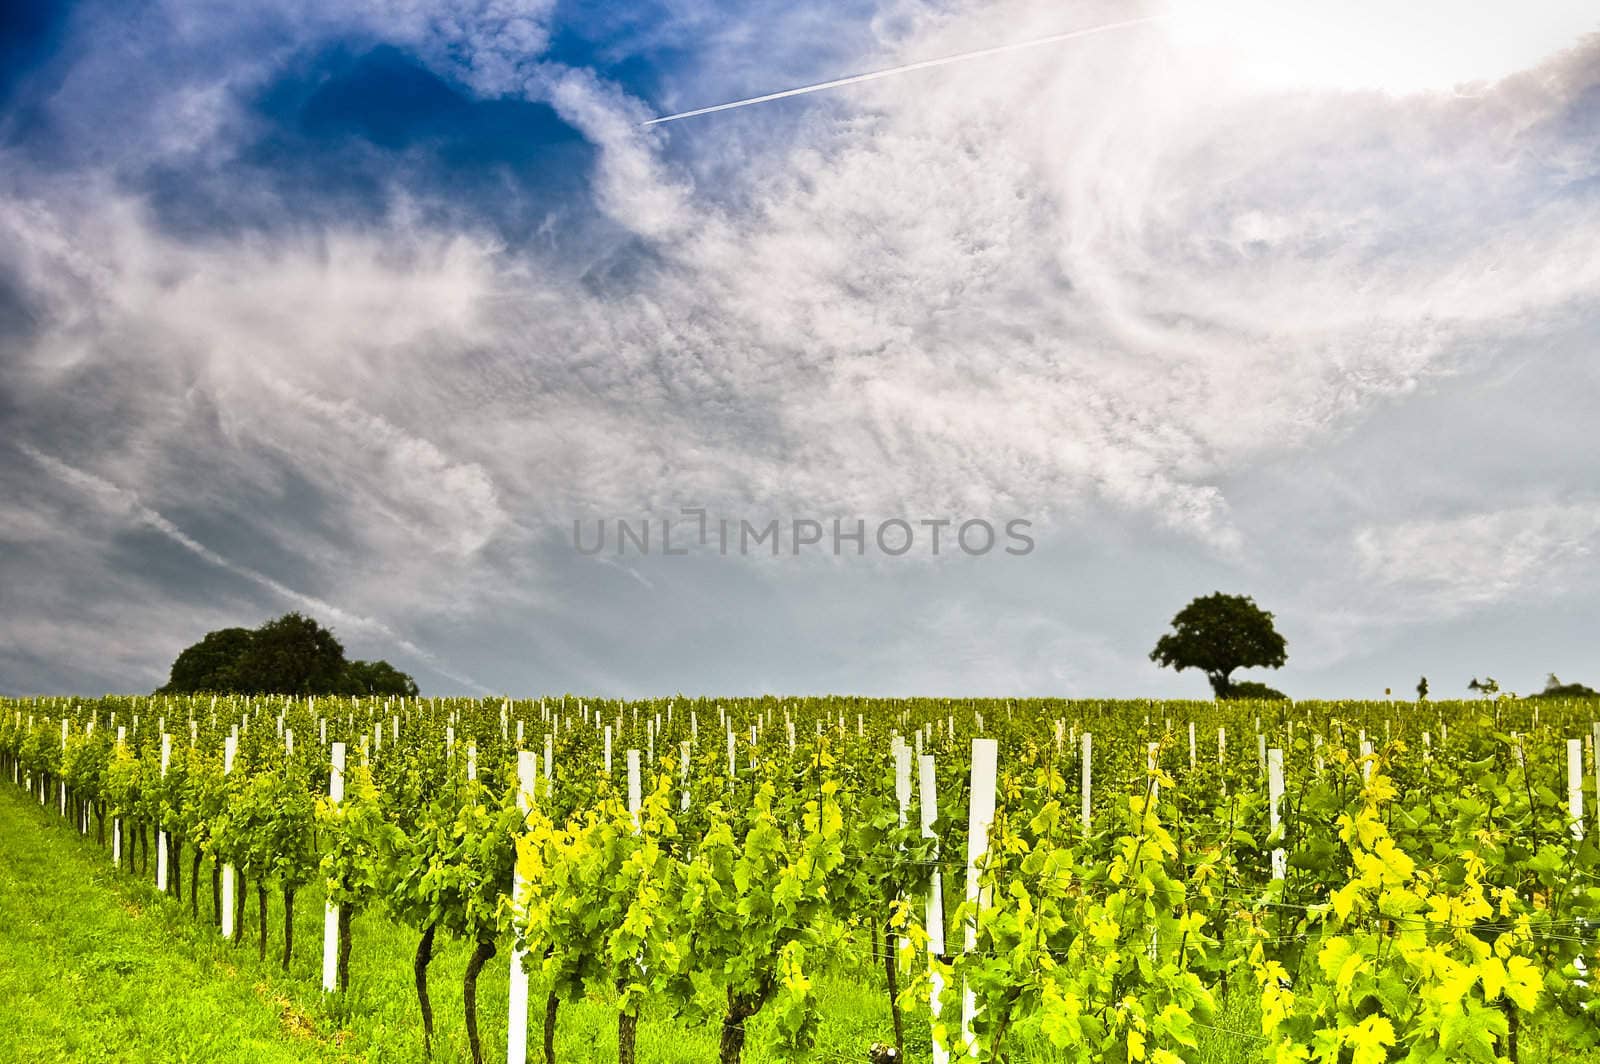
x: 925, y: 64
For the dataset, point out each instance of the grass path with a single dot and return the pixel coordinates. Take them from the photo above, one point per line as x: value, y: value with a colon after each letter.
x: 89, y: 974
x: 96, y: 965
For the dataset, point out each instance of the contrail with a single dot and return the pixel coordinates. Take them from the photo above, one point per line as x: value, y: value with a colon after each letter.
x: 925, y: 64
x: 122, y: 501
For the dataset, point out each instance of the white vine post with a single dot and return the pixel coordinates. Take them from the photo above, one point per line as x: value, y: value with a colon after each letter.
x: 61, y: 780
x: 1575, y: 787
x: 1088, y: 759
x: 980, y: 815
x: 1193, y: 758
x: 1366, y: 760
x: 902, y: 790
x: 330, y: 914
x: 1595, y: 728
x: 933, y: 913
x: 635, y: 794
x: 517, y: 1026
x: 683, y: 771
x: 230, y: 749
x: 608, y: 751
x: 116, y: 822
x: 161, y: 833
x: 1280, y: 858
x: 1596, y: 749
x: 1222, y: 757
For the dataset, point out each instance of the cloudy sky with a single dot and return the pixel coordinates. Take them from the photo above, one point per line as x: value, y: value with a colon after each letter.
x: 355, y: 308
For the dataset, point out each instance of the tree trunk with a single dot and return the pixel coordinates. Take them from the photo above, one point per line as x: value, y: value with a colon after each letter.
x: 346, y: 914
x: 731, y: 1048
x: 419, y: 969
x: 288, y: 926
x: 194, y: 885
x: 469, y: 994
x: 240, y: 891
x: 261, y: 904
x: 551, y: 1004
x: 174, y: 865
x: 627, y: 1033
x: 894, y: 988
x: 100, y: 823
x: 216, y: 893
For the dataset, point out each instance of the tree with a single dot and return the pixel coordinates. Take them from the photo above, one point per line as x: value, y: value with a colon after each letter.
x: 377, y: 678
x: 1422, y: 689
x: 1218, y: 634
x: 1554, y: 688
x: 1258, y: 692
x: 209, y: 665
x: 1488, y: 687
x: 292, y: 655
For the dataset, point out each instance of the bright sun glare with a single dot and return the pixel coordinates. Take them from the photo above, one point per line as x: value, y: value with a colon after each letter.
x: 1397, y: 47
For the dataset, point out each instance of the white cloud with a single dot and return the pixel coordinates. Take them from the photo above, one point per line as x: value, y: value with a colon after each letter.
x: 1446, y: 567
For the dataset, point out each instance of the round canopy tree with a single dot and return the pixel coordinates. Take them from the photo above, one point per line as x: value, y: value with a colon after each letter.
x: 293, y: 655
x: 210, y: 664
x: 1218, y: 634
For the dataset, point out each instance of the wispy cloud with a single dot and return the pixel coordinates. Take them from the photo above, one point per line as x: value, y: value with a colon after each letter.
x: 123, y: 502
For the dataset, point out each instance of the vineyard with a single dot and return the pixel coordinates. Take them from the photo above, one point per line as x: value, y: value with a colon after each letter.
x: 1024, y: 881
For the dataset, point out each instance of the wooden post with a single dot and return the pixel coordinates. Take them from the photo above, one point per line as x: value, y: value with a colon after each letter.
x: 161, y: 834
x: 1595, y: 728
x: 1575, y: 787
x: 116, y: 822
x: 902, y: 787
x: 1088, y: 759
x: 61, y: 778
x: 933, y: 911
x: 1280, y: 857
x: 330, y: 916
x: 635, y: 795
x: 230, y: 749
x: 517, y: 994
x: 980, y: 815
x: 683, y: 771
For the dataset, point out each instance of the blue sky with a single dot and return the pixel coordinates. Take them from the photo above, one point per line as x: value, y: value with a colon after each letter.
x: 355, y: 309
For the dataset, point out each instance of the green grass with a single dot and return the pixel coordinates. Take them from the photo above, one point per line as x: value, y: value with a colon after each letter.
x: 96, y: 965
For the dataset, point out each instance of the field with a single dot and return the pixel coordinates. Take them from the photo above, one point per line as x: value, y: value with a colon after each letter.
x: 765, y: 880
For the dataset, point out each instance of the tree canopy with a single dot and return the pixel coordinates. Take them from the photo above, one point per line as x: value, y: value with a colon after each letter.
x: 1554, y: 688
x: 292, y: 655
x: 210, y: 665
x: 1218, y: 634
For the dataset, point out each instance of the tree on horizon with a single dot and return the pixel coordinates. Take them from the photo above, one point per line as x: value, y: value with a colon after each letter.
x: 290, y: 655
x: 1219, y: 634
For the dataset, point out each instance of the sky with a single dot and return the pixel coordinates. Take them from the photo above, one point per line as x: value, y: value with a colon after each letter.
x: 383, y: 310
